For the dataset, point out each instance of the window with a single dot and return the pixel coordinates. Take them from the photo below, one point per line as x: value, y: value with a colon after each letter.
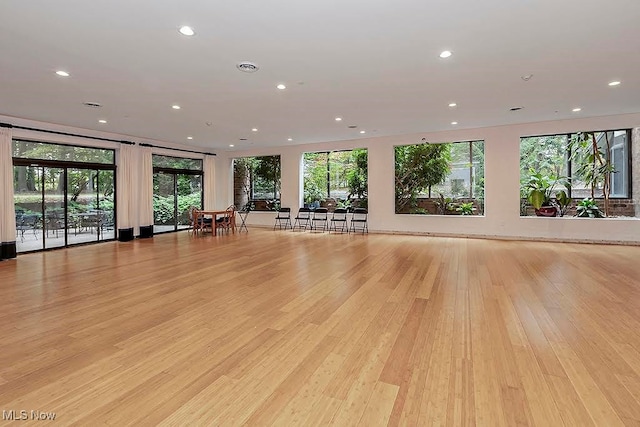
x: 177, y: 186
x: 445, y: 178
x: 61, y: 153
x: 335, y: 179
x: 570, y: 158
x: 256, y: 182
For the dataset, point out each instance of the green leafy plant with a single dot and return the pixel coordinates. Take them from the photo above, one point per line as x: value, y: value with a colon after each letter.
x: 465, y: 208
x: 444, y: 204
x: 540, y: 188
x: 563, y: 201
x: 588, y: 208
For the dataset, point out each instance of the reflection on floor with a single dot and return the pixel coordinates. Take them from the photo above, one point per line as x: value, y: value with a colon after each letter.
x: 32, y: 240
x: 164, y: 228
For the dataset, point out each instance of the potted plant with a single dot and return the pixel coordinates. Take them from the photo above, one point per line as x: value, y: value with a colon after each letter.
x: 540, y: 191
x: 588, y: 208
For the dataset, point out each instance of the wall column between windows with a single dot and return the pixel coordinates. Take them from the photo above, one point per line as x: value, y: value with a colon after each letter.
x: 635, y: 169
x: 209, y: 182
x: 7, y: 209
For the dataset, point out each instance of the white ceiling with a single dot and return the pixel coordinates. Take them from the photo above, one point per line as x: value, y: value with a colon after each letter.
x: 375, y: 63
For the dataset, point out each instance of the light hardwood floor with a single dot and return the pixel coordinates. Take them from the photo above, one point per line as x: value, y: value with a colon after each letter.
x: 308, y: 329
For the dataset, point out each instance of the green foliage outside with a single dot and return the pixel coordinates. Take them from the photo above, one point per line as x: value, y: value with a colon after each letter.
x: 163, y: 208
x: 257, y: 179
x: 417, y: 168
x: 341, y: 175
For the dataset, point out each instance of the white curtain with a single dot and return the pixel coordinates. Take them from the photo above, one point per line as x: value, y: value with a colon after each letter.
x: 127, y: 188
x: 7, y: 209
x: 209, y: 182
x: 145, y: 184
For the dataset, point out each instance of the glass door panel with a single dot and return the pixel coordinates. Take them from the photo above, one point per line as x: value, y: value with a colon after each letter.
x: 164, y: 202
x: 27, y: 190
x: 82, y: 197
x: 106, y: 204
x: 53, y: 214
x: 189, y: 192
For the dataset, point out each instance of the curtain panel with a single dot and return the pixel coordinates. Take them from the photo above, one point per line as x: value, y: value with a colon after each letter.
x: 127, y: 191
x: 7, y: 208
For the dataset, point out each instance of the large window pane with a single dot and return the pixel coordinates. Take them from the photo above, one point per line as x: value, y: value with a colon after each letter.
x: 256, y: 182
x: 189, y: 194
x: 585, y: 160
x: 27, y: 188
x: 176, y: 163
x: 63, y: 153
x: 164, y: 207
x: 336, y: 179
x: 445, y: 178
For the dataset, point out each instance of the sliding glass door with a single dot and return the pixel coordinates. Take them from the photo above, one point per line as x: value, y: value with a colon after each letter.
x: 62, y: 206
x: 173, y: 195
x: 177, y: 186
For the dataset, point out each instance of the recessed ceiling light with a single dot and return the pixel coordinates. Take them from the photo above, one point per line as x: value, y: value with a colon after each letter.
x: 231, y: 145
x: 338, y: 119
x: 175, y: 107
x: 254, y: 130
x: 445, y: 54
x: 189, y: 137
x: 575, y: 110
x: 281, y: 86
x: 454, y: 123
x: 102, y: 121
x: 614, y: 83
x: 185, y: 30
x: 362, y: 131
x: 289, y: 139
x: 453, y: 104
x: 62, y: 73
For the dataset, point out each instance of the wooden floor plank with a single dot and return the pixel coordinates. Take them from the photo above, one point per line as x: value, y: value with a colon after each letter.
x: 310, y: 329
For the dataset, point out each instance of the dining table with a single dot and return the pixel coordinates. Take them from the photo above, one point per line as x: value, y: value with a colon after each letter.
x: 201, y: 214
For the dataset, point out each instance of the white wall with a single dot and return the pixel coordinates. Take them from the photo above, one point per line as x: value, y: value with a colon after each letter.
x: 502, y: 187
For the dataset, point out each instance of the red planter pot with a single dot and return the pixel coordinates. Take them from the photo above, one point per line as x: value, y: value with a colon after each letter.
x: 547, y: 211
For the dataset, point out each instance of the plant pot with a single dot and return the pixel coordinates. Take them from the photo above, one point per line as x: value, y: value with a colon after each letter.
x: 549, y: 211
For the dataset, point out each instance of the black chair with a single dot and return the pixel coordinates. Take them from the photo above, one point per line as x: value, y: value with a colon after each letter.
x: 283, y: 219
x: 359, y: 220
x: 302, y: 219
x: 25, y: 223
x: 319, y: 218
x: 339, y: 217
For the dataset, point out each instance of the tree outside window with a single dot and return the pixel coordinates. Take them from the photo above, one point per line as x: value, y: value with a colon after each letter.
x: 336, y: 179
x: 256, y: 182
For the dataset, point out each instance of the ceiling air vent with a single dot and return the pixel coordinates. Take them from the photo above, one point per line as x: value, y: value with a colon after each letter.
x: 516, y: 108
x: 92, y: 104
x: 247, y: 67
